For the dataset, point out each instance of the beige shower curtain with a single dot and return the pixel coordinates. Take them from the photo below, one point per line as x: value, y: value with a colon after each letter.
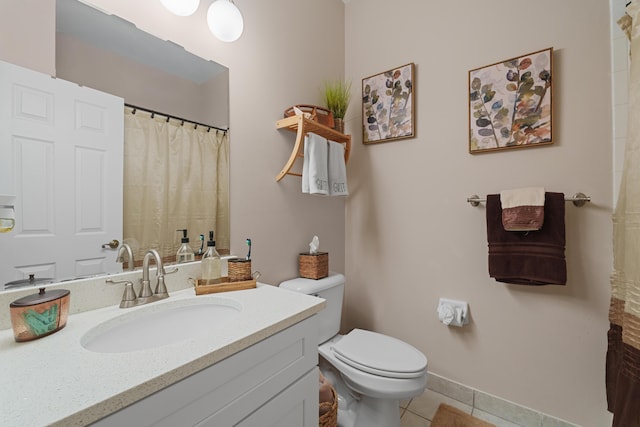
x: 175, y: 177
x: 623, y: 355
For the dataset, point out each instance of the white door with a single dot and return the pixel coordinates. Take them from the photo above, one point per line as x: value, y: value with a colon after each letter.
x: 61, y: 148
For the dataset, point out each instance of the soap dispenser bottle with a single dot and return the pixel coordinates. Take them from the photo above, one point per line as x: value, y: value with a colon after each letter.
x: 185, y: 253
x: 211, y: 263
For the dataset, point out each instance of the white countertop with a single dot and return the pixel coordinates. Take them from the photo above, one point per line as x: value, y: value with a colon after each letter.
x: 56, y: 381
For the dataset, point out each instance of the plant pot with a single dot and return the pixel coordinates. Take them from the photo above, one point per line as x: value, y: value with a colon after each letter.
x: 338, y: 124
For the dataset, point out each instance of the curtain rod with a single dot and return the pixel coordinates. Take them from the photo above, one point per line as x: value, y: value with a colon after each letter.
x: 169, y: 116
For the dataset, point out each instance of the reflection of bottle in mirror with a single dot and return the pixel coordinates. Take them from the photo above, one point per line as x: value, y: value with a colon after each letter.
x: 211, y: 263
x: 6, y: 225
x: 7, y: 217
x: 185, y: 253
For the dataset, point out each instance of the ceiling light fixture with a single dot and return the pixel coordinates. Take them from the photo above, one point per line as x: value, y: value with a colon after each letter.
x: 225, y: 20
x: 181, y: 7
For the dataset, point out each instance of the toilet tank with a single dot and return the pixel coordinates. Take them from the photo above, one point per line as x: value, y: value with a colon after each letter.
x: 331, y: 288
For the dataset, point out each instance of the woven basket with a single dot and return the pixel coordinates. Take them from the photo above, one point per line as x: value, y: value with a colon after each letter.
x: 318, y: 114
x: 239, y: 270
x: 314, y: 266
x: 329, y: 418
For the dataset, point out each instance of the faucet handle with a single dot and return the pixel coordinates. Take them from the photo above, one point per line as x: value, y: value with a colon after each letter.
x: 129, y: 298
x: 161, y: 288
x: 171, y: 270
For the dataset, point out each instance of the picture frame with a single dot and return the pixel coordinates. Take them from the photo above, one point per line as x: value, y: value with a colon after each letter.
x: 388, y: 106
x: 511, y: 103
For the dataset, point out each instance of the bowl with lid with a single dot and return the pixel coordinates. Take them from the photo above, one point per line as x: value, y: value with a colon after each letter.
x: 38, y: 315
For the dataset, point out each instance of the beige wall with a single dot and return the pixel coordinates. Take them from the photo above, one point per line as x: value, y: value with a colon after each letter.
x: 412, y: 238
x: 26, y: 38
x: 143, y: 85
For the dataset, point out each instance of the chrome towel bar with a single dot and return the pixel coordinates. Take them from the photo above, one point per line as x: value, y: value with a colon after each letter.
x: 578, y: 199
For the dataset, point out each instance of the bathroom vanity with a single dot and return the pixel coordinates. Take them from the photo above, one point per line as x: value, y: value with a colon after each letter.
x: 255, y: 368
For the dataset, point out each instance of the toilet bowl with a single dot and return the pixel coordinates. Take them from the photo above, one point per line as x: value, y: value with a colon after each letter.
x: 371, y: 372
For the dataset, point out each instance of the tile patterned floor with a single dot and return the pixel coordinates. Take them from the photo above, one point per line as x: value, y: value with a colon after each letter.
x: 419, y: 411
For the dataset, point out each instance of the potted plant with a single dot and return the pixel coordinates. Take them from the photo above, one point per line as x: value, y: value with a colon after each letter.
x: 337, y: 95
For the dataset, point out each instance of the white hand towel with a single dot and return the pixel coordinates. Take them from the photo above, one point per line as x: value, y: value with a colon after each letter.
x: 314, y: 166
x: 522, y: 209
x: 337, y: 170
x: 530, y: 196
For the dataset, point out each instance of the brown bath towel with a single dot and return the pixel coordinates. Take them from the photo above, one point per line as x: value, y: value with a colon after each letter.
x: 528, y: 257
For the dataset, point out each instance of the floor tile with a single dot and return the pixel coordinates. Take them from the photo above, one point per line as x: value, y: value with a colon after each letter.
x: 410, y: 419
x: 427, y: 404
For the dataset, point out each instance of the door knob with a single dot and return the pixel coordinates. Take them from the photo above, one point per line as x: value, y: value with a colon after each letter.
x: 112, y: 244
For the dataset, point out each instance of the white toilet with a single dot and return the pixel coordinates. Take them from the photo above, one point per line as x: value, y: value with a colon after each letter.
x: 371, y: 372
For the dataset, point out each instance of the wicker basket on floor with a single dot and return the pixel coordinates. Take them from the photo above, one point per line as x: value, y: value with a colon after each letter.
x: 329, y: 418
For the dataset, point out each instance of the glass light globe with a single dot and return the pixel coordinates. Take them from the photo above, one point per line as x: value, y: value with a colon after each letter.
x: 225, y: 20
x: 181, y: 7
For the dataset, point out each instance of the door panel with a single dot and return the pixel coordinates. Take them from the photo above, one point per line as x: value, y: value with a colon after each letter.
x: 62, y: 148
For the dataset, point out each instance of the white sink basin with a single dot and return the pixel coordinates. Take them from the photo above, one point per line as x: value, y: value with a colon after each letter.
x: 160, y: 324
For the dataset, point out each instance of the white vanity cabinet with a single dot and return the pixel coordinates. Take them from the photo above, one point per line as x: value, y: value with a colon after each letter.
x: 271, y: 383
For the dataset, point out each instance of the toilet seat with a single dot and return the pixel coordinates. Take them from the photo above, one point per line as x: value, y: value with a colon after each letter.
x: 380, y: 354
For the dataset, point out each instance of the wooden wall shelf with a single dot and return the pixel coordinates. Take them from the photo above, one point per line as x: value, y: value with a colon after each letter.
x: 302, y: 126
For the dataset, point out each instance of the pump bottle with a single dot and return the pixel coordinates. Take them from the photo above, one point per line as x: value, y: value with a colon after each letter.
x: 185, y: 253
x: 211, y: 263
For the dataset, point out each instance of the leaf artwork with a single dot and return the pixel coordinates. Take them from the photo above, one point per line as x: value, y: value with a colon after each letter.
x: 510, y: 103
x: 387, y: 105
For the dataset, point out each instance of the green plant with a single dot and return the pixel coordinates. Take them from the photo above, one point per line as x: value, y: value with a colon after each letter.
x: 337, y: 95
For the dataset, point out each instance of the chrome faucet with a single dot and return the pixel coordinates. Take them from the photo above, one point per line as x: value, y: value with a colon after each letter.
x: 126, y: 249
x: 161, y: 289
x: 146, y: 296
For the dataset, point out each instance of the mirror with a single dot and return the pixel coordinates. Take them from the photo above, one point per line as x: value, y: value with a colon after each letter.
x: 107, y: 53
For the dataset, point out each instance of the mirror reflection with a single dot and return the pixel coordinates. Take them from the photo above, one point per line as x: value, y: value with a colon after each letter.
x: 175, y: 154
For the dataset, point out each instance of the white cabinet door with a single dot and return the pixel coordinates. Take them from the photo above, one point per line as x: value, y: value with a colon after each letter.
x: 61, y: 148
x: 297, y: 406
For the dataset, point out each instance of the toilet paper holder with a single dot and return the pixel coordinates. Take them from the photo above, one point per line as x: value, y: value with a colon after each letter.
x: 453, y: 312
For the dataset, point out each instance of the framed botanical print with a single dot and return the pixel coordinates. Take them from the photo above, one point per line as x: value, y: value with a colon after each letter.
x: 388, y: 105
x: 510, y: 103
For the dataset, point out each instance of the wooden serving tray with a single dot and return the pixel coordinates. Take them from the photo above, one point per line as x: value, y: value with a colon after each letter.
x: 224, y: 286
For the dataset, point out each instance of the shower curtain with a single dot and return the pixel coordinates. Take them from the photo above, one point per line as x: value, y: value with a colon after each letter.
x: 175, y: 177
x: 623, y: 354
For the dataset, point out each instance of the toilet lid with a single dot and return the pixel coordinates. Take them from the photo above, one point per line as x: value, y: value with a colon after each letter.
x: 380, y: 354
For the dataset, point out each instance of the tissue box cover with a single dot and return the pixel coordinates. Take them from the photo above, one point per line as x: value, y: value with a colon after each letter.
x: 314, y: 266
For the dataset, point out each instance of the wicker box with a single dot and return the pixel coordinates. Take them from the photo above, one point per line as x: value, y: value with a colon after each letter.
x: 318, y: 114
x: 314, y: 266
x: 239, y: 270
